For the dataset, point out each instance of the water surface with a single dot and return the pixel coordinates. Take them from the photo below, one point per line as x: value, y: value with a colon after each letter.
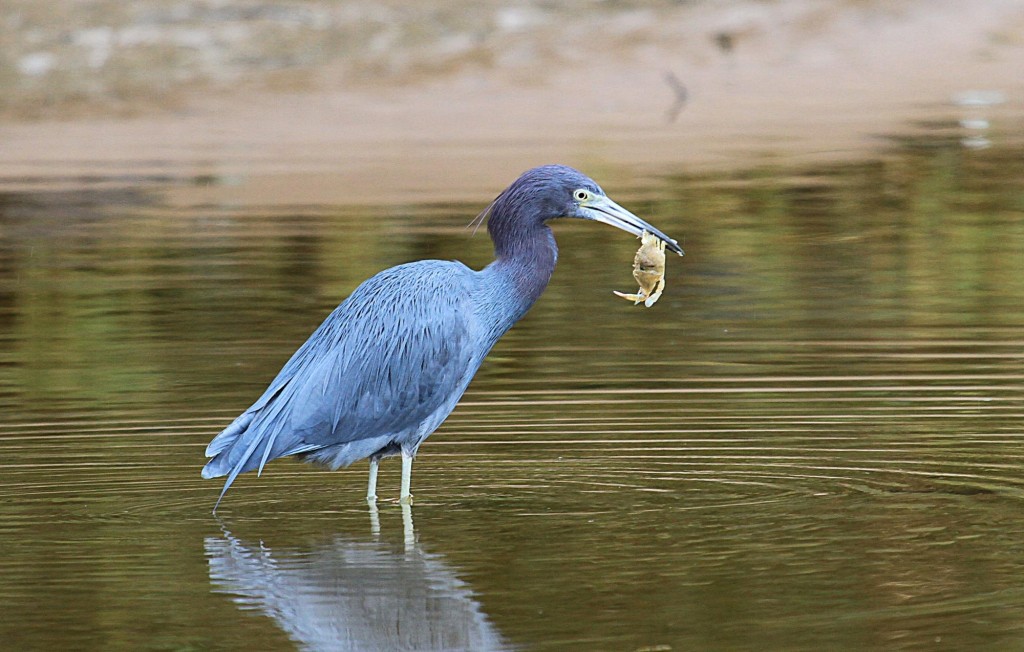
x: 813, y: 441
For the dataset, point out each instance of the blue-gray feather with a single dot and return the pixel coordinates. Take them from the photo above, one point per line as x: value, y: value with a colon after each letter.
x: 403, y: 346
x: 390, y: 363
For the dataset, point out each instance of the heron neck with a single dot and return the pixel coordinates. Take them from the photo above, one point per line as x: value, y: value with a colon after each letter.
x: 524, y: 268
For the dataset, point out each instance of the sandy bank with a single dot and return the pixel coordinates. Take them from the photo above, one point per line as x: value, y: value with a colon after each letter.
x: 791, y: 79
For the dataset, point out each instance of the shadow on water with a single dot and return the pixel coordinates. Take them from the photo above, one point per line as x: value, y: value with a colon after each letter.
x: 356, y: 595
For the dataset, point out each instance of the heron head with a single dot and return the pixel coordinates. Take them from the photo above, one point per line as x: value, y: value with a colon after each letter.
x: 555, y: 191
x: 589, y: 202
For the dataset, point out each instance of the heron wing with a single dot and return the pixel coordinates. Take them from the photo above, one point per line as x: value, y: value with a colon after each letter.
x: 387, y: 360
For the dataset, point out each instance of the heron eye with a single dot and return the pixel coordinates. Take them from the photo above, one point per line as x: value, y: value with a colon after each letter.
x: 581, y: 195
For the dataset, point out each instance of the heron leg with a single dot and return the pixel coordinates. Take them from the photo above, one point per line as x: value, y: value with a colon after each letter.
x: 405, y: 497
x: 371, y: 487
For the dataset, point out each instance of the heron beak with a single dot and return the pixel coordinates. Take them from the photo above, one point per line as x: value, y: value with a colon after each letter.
x: 604, y: 210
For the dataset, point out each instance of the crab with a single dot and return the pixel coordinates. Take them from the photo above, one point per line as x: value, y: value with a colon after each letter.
x: 648, y: 270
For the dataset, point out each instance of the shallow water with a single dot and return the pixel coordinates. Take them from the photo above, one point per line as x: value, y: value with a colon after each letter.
x: 814, y: 440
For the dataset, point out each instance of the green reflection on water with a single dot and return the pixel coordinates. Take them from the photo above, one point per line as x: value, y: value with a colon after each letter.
x: 101, y: 304
x: 812, y: 440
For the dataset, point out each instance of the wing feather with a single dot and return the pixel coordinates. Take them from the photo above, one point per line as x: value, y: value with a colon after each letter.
x: 383, y: 364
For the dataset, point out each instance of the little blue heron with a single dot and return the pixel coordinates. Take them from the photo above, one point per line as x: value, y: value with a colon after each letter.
x: 389, y: 364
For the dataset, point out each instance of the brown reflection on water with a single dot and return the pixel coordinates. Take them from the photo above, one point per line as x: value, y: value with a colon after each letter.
x: 812, y: 441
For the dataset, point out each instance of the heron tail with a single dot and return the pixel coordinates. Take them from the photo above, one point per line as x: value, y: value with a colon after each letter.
x: 234, y: 451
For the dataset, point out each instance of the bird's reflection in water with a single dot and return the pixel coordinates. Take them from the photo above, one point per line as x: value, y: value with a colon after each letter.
x: 353, y: 595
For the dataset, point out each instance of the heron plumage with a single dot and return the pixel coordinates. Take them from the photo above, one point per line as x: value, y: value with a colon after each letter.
x: 388, y: 365
x: 375, y: 371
